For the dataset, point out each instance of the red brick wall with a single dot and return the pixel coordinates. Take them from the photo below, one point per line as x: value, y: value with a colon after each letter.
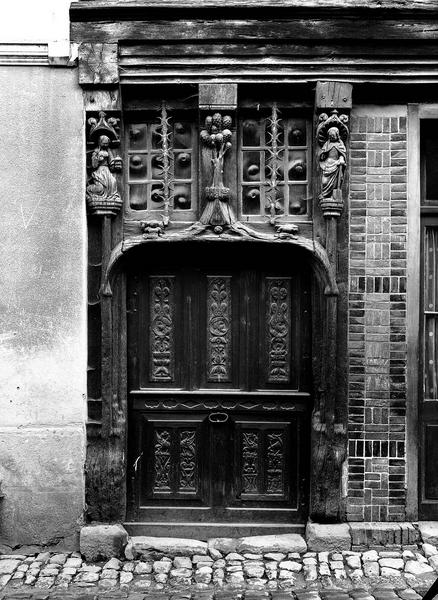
x: 377, y: 318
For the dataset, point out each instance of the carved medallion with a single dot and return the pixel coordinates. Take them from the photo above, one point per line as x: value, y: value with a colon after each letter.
x: 278, y: 330
x: 219, y: 329
x: 161, y: 329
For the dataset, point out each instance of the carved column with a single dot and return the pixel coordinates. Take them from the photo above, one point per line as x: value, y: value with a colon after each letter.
x: 329, y: 432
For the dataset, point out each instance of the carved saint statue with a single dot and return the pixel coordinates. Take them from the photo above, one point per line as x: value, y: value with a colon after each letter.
x: 102, y: 189
x: 332, y: 160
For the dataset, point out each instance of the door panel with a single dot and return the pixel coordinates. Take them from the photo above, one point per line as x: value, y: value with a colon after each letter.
x: 429, y: 368
x: 219, y: 390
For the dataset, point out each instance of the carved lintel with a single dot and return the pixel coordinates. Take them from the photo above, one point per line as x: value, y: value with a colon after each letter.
x: 102, y: 194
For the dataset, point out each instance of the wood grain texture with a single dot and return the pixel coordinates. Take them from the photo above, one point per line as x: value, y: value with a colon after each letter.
x: 333, y: 94
x: 98, y: 64
x: 286, y: 29
x: 89, y: 8
x: 412, y: 307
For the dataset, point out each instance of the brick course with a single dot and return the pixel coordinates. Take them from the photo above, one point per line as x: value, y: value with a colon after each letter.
x: 377, y: 319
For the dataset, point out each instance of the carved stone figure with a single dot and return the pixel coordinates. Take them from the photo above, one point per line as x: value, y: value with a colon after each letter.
x: 333, y: 161
x: 331, y: 134
x: 102, y: 194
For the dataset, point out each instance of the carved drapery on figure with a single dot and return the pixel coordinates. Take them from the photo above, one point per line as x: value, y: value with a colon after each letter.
x: 332, y: 132
x: 102, y: 195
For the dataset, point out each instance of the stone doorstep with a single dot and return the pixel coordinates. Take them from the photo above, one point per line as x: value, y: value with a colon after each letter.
x: 103, y: 541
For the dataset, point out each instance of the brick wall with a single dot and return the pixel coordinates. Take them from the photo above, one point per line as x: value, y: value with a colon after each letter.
x: 377, y: 317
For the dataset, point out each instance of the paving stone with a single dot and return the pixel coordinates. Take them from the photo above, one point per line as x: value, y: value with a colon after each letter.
x: 323, y: 556
x: 392, y: 563
x: 390, y: 554
x: 277, y: 556
x: 420, y: 557
x: 109, y: 574
x: 162, y: 566
x: 371, y: 568
x: 8, y: 566
x: 429, y: 531
x: 429, y: 550
x: 234, y: 556
x: 336, y: 564
x: 58, y: 559
x: 72, y: 562
x: 290, y: 565
x: 370, y: 555
x: 45, y: 582
x: 324, y: 570
x: 181, y: 572
x: 43, y: 557
x: 408, y: 554
x: 433, y: 561
x: 89, y: 577
x: 113, y: 563
x: 417, y: 568
x: 353, y: 562
x: 356, y: 574
x: 143, y: 567
x: 254, y: 571
x: 161, y: 577
x: 288, y: 542
x: 126, y: 577
x: 182, y: 562
x: 408, y: 594
x: 389, y: 571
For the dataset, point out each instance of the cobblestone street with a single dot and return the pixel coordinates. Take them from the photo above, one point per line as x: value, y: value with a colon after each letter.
x: 369, y: 575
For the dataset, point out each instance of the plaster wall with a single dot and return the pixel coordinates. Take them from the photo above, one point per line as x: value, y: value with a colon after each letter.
x: 42, y: 306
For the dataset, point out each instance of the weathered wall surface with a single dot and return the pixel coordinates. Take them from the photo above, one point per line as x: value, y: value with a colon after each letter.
x: 377, y: 314
x: 42, y: 305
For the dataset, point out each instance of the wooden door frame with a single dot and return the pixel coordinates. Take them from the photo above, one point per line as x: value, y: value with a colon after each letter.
x: 416, y: 112
x: 107, y: 470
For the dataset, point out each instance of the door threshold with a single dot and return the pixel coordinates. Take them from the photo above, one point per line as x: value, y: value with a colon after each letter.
x: 204, y: 531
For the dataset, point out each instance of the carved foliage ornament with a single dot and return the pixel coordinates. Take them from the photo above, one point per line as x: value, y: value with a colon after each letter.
x: 102, y: 195
x: 216, y: 136
x: 331, y: 134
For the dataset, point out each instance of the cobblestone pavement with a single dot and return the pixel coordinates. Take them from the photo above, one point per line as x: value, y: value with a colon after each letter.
x: 370, y: 575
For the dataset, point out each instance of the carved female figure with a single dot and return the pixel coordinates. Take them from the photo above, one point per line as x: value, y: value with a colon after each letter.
x: 103, y: 186
x: 332, y: 160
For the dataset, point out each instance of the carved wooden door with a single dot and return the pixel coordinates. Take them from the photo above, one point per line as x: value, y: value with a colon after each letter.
x: 219, y: 386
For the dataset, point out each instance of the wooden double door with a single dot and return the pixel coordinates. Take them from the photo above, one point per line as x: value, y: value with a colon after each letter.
x: 219, y: 354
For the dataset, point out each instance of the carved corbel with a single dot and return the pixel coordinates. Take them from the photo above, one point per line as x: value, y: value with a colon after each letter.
x: 102, y: 195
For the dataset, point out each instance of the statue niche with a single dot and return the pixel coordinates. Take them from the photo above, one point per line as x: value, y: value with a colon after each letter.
x: 102, y: 195
x: 331, y: 134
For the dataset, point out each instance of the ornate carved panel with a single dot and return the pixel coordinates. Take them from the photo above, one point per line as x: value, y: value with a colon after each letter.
x: 219, y: 329
x: 263, y: 461
x: 187, y: 467
x: 275, y: 463
x: 162, y: 329
x: 163, y: 439
x: 278, y: 321
x: 250, y: 462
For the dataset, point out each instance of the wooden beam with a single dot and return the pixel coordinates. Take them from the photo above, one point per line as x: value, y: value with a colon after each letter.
x: 334, y: 95
x: 217, y: 96
x: 261, y: 29
x: 98, y: 64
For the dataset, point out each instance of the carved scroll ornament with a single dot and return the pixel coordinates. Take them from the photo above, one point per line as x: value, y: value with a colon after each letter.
x: 102, y: 195
x: 332, y: 132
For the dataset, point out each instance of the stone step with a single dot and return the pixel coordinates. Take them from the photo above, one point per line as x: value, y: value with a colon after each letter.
x: 204, y: 531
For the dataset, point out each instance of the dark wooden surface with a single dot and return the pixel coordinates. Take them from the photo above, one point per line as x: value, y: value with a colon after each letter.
x: 277, y: 419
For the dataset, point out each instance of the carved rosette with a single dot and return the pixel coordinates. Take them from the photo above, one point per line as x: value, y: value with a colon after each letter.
x: 331, y: 134
x: 102, y: 194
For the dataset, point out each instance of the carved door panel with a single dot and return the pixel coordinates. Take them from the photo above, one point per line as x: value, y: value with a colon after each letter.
x: 219, y: 390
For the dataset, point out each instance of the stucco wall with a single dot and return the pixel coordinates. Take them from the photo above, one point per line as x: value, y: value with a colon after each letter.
x: 42, y: 305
